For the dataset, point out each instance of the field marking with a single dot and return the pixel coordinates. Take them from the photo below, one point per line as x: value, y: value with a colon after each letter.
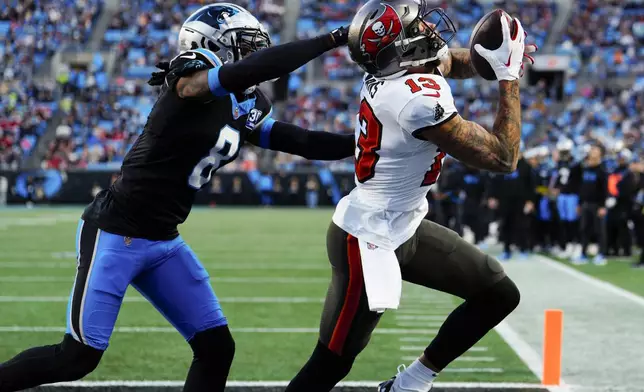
x: 283, y: 384
x: 419, y: 317
x: 258, y: 279
x: 463, y: 358
x: 404, y: 310
x: 417, y: 324
x: 48, y: 220
x: 44, y: 329
x: 472, y: 370
x: 526, y: 353
x: 422, y: 348
x: 213, y: 266
x: 412, y: 339
x: 243, y: 300
x: 591, y: 280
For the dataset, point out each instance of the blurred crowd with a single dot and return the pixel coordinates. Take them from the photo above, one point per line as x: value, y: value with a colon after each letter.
x: 30, y: 32
x: 101, y: 118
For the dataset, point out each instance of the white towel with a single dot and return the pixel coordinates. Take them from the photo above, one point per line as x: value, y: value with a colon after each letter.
x: 382, y: 277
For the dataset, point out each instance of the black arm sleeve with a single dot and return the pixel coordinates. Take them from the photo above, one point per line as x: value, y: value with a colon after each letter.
x: 313, y: 145
x: 272, y: 63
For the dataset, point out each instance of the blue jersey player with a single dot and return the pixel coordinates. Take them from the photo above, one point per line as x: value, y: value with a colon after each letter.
x: 207, y: 108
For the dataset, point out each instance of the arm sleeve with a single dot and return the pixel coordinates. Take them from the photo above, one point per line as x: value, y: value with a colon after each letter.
x: 271, y: 63
x: 423, y: 112
x: 313, y: 145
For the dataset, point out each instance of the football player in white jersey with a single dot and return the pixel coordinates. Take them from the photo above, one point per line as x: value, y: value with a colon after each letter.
x: 407, y: 123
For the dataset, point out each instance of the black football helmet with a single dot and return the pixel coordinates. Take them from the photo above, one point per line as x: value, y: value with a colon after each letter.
x: 389, y: 36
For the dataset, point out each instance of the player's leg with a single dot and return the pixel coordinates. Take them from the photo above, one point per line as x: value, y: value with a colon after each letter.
x: 508, y: 220
x: 572, y: 207
x: 105, y: 266
x: 179, y: 287
x: 562, y: 234
x: 586, y: 226
x: 347, y: 322
x: 443, y: 261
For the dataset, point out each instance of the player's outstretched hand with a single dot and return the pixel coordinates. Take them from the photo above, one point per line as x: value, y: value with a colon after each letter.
x: 507, y: 60
x: 158, y: 78
x: 340, y: 36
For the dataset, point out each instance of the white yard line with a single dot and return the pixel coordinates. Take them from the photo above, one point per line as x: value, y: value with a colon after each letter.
x: 418, y: 324
x: 463, y: 358
x: 609, y: 287
x: 43, y: 329
x: 421, y: 348
x: 242, y: 280
x: 214, y: 266
x: 46, y: 220
x: 282, y: 384
x: 528, y: 355
x: 420, y: 317
x: 246, y: 300
x: 412, y: 339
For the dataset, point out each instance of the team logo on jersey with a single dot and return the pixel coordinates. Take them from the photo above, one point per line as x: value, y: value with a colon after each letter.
x: 253, y: 118
x: 371, y: 246
x: 439, y: 112
x: 382, y: 32
x: 372, y: 84
x: 127, y: 240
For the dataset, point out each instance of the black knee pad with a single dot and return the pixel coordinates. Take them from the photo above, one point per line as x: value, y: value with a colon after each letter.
x: 504, y: 294
x: 214, y: 344
x: 77, y: 359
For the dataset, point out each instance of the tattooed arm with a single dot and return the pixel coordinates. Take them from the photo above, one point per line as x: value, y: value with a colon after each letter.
x: 458, y: 65
x: 193, y: 86
x: 470, y: 143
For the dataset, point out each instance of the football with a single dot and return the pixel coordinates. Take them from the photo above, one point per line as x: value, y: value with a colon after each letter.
x: 488, y: 34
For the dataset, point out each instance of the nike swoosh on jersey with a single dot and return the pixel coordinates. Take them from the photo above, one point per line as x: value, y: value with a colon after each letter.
x: 194, y: 56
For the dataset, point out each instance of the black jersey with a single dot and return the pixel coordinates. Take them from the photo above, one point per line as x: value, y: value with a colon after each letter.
x: 568, y: 177
x: 183, y: 142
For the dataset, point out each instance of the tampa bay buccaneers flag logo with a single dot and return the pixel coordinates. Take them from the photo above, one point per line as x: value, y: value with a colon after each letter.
x: 382, y: 31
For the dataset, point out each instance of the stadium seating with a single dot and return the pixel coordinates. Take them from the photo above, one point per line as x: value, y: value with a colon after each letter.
x: 612, y: 47
x: 30, y: 32
x: 143, y: 32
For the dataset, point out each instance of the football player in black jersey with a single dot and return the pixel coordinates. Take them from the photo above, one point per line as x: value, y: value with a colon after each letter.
x: 566, y: 181
x: 207, y: 108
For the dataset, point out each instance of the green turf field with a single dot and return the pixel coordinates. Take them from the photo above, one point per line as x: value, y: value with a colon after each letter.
x: 269, y: 269
x: 618, y: 272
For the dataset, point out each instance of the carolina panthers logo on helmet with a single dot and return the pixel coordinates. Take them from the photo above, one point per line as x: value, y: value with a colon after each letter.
x: 384, y: 30
x: 214, y: 16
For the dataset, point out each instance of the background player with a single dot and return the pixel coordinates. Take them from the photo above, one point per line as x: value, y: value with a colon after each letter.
x: 565, y: 185
x: 406, y: 124
x: 207, y: 108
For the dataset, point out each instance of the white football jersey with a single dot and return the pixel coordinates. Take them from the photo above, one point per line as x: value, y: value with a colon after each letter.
x: 394, y: 169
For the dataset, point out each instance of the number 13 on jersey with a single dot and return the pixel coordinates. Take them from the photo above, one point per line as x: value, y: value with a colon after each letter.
x: 369, y: 143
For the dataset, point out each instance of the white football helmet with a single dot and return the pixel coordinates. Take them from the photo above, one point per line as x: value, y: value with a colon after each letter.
x: 227, y: 30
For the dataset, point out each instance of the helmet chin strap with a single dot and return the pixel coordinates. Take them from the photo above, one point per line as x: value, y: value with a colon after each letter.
x: 442, y: 54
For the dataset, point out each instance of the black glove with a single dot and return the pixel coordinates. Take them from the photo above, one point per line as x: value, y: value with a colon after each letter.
x: 158, y: 78
x: 184, y: 69
x: 340, y: 36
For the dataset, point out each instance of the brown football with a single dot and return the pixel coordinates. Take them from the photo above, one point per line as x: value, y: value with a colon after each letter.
x: 489, y: 35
